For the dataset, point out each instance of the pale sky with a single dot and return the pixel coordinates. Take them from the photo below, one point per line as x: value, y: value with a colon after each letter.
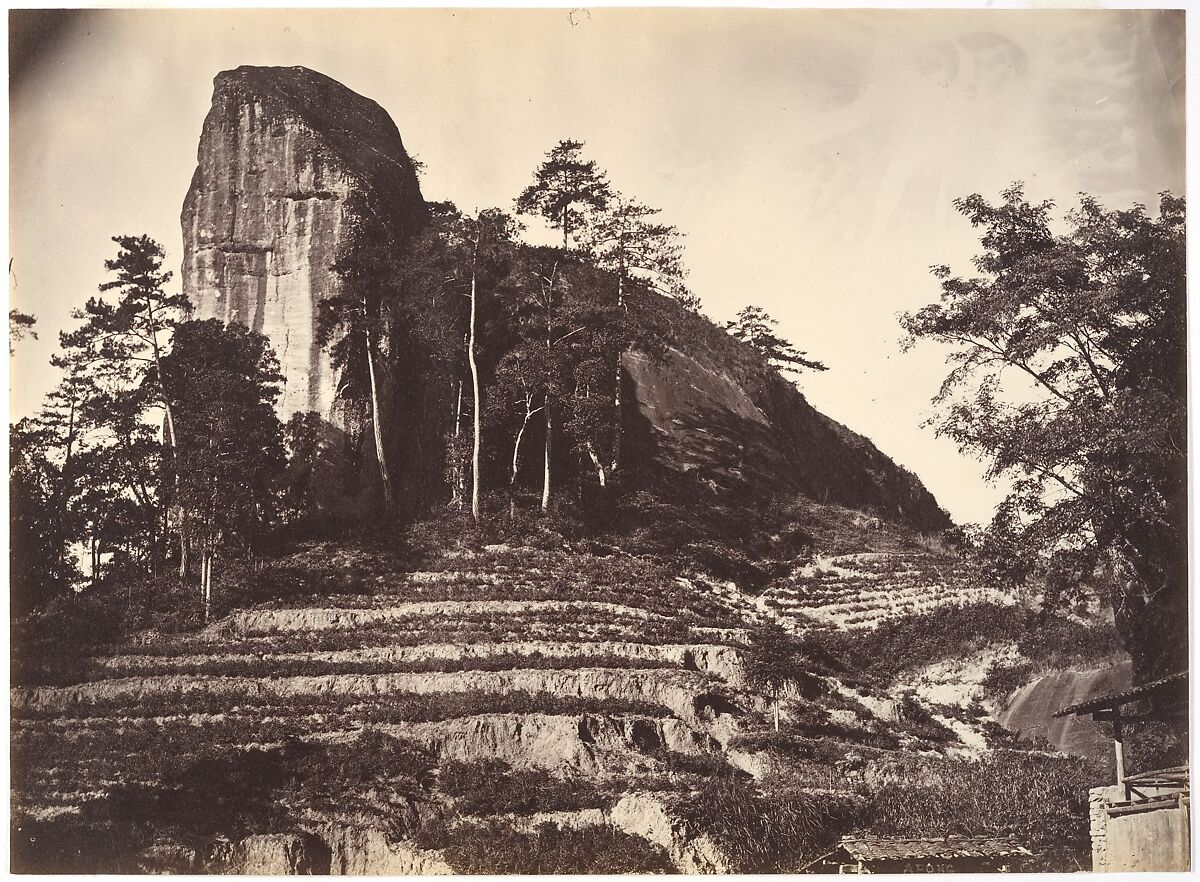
x: 810, y: 156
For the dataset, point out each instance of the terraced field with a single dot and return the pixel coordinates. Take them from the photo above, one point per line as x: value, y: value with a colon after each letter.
x: 866, y: 589
x: 562, y: 708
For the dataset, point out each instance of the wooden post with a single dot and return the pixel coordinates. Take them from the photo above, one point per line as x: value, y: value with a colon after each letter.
x: 1119, y: 744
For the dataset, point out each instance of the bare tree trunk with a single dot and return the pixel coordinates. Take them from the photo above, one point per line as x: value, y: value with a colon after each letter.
x: 548, y: 293
x: 206, y: 580
x: 546, y: 474
x: 457, y: 478
x: 516, y: 457
x: 185, y: 548
x: 377, y: 420
x: 154, y: 348
x: 478, y: 404
x: 616, y: 451
x: 61, y: 500
x: 591, y: 452
x: 458, y: 411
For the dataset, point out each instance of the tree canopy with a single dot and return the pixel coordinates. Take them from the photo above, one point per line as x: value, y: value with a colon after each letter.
x: 230, y: 455
x: 1069, y: 380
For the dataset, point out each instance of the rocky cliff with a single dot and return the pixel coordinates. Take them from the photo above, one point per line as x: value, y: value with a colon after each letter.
x: 283, y: 155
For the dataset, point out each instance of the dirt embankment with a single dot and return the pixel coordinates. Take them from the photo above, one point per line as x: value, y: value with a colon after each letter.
x: 263, y: 622
x: 589, y: 745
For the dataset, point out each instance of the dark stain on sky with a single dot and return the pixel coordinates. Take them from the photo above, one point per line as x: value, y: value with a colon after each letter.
x: 37, y: 37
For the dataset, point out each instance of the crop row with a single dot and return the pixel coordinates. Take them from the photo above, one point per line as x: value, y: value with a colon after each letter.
x: 700, y: 607
x: 933, y: 593
x: 274, y: 668
x: 828, y: 597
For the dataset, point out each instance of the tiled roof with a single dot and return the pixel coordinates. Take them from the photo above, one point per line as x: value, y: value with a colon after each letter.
x: 877, y: 849
x: 1104, y: 702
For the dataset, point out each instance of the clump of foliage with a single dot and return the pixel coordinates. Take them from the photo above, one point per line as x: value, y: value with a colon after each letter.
x: 490, y: 787
x: 415, y: 707
x: 1040, y: 799
x: 957, y: 631
x: 20, y: 326
x: 1002, y: 680
x: 233, y: 793
x: 776, y: 660
x: 917, y: 720
x: 756, y: 328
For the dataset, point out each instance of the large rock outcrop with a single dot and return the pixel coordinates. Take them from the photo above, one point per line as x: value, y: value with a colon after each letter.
x: 703, y: 405
x: 288, y: 156
x: 285, y: 156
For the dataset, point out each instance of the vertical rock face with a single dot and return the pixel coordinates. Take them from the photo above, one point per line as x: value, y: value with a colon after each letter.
x: 284, y: 155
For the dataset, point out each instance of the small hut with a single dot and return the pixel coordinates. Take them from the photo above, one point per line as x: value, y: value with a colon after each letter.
x: 951, y: 854
x: 1142, y: 822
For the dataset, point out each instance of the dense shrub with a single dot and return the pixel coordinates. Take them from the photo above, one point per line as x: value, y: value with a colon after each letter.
x: 490, y: 787
x: 233, y: 793
x: 958, y: 631
x: 415, y: 707
x: 917, y: 720
x: 70, y: 623
x: 83, y: 671
x: 1003, y: 679
x: 1156, y: 744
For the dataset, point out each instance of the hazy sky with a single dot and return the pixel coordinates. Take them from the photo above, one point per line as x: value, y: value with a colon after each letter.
x: 810, y: 156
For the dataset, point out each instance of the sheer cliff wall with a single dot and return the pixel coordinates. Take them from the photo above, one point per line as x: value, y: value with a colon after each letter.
x: 282, y: 152
x: 285, y: 154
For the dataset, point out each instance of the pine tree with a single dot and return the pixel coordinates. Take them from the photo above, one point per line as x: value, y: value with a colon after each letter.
x: 139, y: 325
x: 564, y: 186
x: 756, y: 328
x: 20, y: 326
x: 626, y: 240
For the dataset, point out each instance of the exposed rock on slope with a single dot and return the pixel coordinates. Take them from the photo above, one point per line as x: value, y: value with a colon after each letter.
x: 707, y: 406
x: 282, y: 154
x: 1031, y: 709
